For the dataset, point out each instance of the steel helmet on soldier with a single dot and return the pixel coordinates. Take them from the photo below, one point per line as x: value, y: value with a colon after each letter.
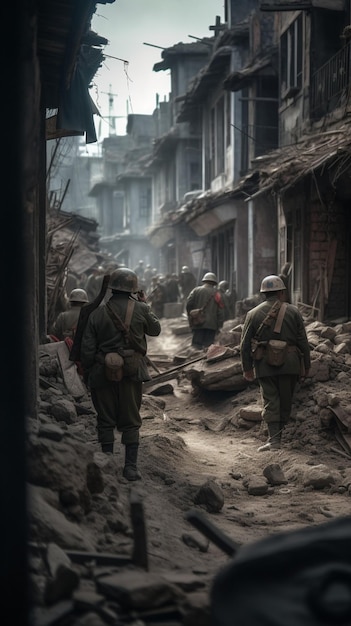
x: 210, y: 277
x: 223, y: 284
x: 272, y: 283
x: 185, y: 269
x: 124, y: 279
x: 78, y: 295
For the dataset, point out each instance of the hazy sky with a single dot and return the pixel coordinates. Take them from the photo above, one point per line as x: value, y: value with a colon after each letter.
x: 127, y: 24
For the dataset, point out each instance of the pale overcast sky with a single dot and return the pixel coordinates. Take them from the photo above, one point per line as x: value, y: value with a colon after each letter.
x: 127, y: 24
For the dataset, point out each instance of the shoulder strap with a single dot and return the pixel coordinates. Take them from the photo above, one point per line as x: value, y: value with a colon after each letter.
x: 124, y: 326
x: 271, y: 315
x: 208, y: 301
x: 278, y: 324
x: 118, y: 322
x: 129, y: 312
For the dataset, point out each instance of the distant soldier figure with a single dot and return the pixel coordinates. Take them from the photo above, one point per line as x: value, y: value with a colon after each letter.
x: 147, y: 277
x: 66, y: 322
x: 171, y: 287
x: 157, y: 296
x: 229, y: 307
x: 207, y: 297
x: 94, y: 282
x: 187, y: 282
x: 139, y: 269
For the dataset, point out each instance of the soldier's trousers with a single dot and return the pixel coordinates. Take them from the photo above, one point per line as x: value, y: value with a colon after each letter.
x: 277, y: 396
x: 118, y: 406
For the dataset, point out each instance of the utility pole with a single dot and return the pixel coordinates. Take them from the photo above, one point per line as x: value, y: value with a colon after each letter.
x: 111, y: 117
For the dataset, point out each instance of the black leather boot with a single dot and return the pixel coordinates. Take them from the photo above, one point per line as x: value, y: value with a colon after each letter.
x: 130, y: 470
x: 107, y: 448
x: 273, y: 442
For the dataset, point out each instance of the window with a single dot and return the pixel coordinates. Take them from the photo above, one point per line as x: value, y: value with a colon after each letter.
x: 145, y: 202
x: 195, y: 178
x: 291, y: 59
x: 217, y: 138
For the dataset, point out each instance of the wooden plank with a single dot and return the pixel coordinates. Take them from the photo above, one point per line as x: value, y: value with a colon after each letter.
x: 140, y: 556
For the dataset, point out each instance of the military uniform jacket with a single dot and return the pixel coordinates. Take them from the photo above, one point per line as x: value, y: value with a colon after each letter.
x: 292, y: 331
x: 66, y: 323
x: 214, y: 310
x: 101, y: 335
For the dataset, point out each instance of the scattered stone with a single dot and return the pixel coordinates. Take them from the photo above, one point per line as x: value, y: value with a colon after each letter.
x: 211, y: 495
x: 256, y: 486
x: 274, y: 474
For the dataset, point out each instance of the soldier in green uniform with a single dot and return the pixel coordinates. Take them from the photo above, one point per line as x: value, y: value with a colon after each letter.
x: 117, y: 403
x: 208, y: 297
x: 66, y: 323
x: 277, y: 383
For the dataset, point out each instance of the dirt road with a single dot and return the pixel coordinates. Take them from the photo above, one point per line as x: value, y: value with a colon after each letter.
x: 195, y: 438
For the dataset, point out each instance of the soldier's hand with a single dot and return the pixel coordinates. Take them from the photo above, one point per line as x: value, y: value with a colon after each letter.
x: 141, y: 295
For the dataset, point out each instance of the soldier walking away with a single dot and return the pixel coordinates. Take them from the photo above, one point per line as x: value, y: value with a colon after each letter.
x: 139, y: 269
x: 94, y: 282
x: 207, y: 297
x: 66, y: 322
x: 226, y: 295
x: 275, y: 319
x: 187, y: 282
x: 120, y: 327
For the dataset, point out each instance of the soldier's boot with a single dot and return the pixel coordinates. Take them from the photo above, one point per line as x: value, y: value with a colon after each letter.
x: 130, y: 470
x: 107, y: 448
x: 273, y: 443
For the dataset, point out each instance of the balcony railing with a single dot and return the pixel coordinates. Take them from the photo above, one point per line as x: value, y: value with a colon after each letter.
x: 330, y: 84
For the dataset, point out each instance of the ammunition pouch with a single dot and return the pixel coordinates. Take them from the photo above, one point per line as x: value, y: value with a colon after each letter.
x: 258, y: 349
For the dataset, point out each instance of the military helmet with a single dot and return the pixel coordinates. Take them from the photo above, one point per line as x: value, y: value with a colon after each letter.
x: 124, y: 279
x: 185, y: 268
x: 210, y: 277
x: 224, y: 285
x: 272, y: 283
x: 78, y: 295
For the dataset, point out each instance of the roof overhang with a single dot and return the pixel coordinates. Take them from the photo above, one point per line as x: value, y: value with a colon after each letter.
x: 69, y: 55
x: 301, y: 5
x: 160, y: 235
x: 261, y: 66
x: 195, y: 49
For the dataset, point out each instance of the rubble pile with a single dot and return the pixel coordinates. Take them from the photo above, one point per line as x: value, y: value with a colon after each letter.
x: 89, y: 550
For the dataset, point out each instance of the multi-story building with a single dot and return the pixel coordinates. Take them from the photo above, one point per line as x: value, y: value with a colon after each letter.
x: 308, y: 179
x: 272, y: 103
x: 176, y: 160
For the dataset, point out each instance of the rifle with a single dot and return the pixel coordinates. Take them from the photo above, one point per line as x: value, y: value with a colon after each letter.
x: 83, y: 318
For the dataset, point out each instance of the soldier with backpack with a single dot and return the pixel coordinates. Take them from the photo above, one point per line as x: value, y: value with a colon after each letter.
x: 66, y: 322
x: 115, y: 333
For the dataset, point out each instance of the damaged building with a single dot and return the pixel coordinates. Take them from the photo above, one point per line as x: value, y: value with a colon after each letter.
x: 271, y: 107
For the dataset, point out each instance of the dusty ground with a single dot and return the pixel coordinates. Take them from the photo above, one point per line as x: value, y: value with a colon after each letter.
x: 198, y: 456
x: 181, y: 450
